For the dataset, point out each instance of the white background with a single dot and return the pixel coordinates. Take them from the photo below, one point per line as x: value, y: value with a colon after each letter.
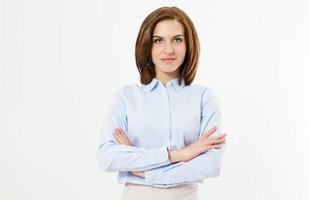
x: 61, y: 60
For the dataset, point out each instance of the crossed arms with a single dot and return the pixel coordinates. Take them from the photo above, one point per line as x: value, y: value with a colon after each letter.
x: 200, y: 160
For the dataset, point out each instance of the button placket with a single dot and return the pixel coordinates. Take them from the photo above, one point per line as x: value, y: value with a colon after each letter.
x: 169, y: 120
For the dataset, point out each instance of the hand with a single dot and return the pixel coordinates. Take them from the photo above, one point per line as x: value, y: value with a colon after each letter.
x: 202, y: 145
x: 121, y: 138
x: 140, y: 174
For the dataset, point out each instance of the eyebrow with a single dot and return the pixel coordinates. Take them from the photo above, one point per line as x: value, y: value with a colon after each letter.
x: 173, y: 36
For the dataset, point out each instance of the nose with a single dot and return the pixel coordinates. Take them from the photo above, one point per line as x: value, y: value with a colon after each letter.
x: 169, y: 48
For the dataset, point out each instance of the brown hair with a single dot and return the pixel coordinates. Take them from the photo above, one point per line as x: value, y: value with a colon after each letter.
x: 144, y: 44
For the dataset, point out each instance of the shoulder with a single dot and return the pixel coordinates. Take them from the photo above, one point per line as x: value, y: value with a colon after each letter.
x: 127, y: 90
x: 204, y: 90
x: 207, y: 93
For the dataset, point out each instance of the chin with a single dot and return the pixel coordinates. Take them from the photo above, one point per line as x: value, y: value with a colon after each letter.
x: 168, y: 69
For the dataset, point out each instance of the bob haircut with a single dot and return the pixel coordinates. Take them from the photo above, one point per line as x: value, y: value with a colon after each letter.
x: 143, y: 45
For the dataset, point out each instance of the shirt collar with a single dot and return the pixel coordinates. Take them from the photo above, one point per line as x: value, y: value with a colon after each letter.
x: 174, y: 83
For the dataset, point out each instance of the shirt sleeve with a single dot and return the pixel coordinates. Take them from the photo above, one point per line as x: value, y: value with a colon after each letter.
x: 115, y: 157
x: 206, y: 165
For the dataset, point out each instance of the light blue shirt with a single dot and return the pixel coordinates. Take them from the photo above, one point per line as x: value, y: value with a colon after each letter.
x: 154, y: 118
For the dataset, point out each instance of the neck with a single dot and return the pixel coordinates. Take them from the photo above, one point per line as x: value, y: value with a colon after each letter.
x: 166, y: 77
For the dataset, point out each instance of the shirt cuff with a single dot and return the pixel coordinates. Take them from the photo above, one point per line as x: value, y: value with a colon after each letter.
x: 154, y: 174
x: 159, y: 156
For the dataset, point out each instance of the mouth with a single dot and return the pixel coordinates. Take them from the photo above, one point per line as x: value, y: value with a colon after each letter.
x: 168, y: 60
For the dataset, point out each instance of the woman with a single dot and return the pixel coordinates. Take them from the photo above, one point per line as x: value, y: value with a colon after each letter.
x: 163, y: 137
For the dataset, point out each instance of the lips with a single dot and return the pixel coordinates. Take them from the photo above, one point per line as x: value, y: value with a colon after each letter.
x: 168, y: 60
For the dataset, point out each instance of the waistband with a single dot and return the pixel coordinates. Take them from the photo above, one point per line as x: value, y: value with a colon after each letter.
x: 189, y: 185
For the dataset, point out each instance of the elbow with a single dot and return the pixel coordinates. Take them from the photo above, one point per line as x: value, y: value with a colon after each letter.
x: 105, y: 166
x: 215, y: 172
x: 104, y: 159
x: 215, y: 167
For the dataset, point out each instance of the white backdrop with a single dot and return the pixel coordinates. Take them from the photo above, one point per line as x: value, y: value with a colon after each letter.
x: 61, y: 60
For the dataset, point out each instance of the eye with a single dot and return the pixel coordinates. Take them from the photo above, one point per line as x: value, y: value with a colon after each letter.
x: 178, y: 40
x: 157, y: 40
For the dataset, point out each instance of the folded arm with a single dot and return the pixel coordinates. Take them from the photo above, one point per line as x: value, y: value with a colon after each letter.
x: 115, y: 157
x: 205, y: 165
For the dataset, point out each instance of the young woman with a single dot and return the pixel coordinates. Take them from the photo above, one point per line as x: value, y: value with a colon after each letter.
x: 163, y: 137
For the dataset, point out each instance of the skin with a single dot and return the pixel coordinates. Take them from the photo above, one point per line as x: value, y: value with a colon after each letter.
x: 169, y: 43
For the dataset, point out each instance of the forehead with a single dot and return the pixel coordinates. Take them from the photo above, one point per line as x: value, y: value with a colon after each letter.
x: 168, y: 28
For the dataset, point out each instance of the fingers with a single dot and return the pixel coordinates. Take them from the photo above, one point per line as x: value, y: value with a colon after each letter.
x: 121, y: 137
x: 139, y: 173
x: 125, y: 137
x: 209, y: 132
x: 219, y: 136
x: 118, y: 137
x: 217, y: 146
x: 216, y: 140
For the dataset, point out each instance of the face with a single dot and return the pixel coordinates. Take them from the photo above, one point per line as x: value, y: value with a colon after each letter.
x: 169, y: 48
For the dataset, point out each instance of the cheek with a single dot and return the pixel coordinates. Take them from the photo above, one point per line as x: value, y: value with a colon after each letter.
x: 181, y: 50
x: 157, y: 49
x: 155, y: 53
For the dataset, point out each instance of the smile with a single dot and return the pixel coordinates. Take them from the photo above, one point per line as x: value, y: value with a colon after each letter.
x: 169, y: 60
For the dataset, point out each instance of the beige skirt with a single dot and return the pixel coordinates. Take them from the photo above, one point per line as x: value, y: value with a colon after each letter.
x: 142, y: 192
